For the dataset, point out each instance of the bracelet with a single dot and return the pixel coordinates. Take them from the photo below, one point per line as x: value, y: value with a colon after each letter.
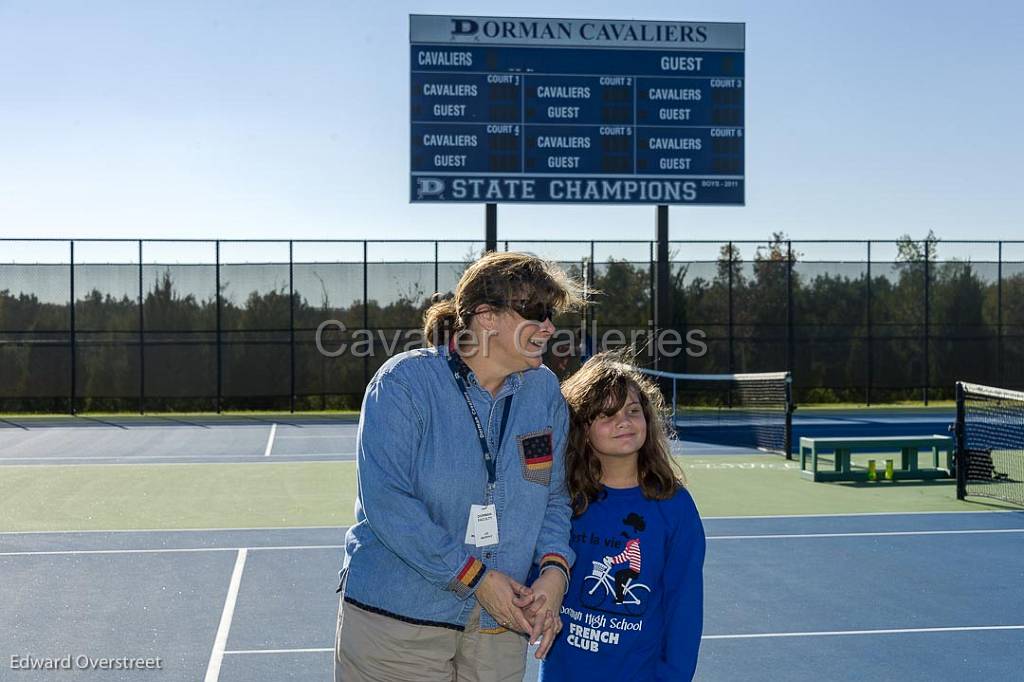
x: 561, y: 572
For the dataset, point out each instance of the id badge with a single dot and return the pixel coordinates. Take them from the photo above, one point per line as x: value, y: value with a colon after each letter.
x: 471, y: 528
x: 482, y: 529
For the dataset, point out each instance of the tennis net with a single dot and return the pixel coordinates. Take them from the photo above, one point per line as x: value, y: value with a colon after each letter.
x: 990, y: 442
x: 741, y: 410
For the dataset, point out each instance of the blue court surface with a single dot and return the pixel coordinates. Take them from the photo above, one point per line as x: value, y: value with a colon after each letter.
x: 176, y: 440
x: 858, y: 597
x: 163, y: 440
x: 872, y: 422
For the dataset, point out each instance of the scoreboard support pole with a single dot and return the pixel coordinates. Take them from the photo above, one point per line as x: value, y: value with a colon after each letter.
x: 491, y: 228
x: 662, y: 288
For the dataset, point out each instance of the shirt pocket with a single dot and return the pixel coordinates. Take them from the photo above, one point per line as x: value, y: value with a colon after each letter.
x: 536, y: 455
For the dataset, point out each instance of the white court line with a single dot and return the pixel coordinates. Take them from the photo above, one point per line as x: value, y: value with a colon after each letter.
x: 759, y: 635
x: 331, y: 436
x: 219, y: 644
x: 270, y: 440
x: 277, y: 651
x: 839, y: 516
x: 838, y: 633
x: 282, y: 458
x: 785, y: 536
x: 128, y: 459
x: 164, y: 550
x: 979, y: 512
x: 173, y: 530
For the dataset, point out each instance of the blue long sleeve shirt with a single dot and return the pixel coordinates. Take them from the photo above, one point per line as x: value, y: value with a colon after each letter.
x: 635, y: 605
x: 421, y: 467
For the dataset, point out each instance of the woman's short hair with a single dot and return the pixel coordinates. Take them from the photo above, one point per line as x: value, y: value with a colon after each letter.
x: 496, y: 279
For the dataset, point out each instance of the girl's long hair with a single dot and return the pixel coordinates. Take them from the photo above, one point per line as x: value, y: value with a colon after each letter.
x: 601, y: 387
x: 496, y: 279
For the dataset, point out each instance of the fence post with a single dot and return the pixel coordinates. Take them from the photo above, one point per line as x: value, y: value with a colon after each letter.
x: 592, y: 324
x: 366, y: 314
x: 664, y: 317
x: 790, y: 336
x: 927, y: 317
x: 870, y: 335
x: 291, y: 326
x: 652, y: 277
x: 491, y: 228
x: 999, y: 317
x: 680, y: 315
x: 71, y: 345
x: 216, y: 249
x: 732, y: 334
x: 142, y: 339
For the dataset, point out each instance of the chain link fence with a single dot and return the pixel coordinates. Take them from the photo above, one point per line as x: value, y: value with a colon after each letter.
x: 162, y: 325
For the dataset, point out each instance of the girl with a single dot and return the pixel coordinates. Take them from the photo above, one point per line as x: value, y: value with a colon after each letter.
x: 634, y: 607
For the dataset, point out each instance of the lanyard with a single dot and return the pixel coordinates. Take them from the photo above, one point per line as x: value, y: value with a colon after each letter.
x: 489, y: 458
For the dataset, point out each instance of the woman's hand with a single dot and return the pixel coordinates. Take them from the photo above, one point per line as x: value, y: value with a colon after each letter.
x: 502, y: 597
x: 545, y: 609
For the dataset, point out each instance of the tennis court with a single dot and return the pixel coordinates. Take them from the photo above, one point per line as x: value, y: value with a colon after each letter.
x: 804, y: 581
x: 160, y: 439
x: 277, y: 438
x: 891, y: 596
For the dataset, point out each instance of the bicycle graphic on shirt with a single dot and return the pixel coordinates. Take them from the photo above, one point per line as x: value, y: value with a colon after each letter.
x: 593, y: 597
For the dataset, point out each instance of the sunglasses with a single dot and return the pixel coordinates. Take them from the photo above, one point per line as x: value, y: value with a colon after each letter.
x: 534, y: 312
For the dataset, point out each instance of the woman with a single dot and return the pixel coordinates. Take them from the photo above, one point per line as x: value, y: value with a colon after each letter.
x: 461, y: 489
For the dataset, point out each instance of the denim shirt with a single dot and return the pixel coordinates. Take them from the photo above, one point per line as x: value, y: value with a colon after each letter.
x: 420, y: 467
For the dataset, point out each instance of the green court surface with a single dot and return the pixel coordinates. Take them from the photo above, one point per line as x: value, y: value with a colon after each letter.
x: 769, y: 485
x: 256, y: 495
x: 158, y: 496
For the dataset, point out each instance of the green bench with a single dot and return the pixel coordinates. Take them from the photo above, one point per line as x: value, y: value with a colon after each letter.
x: 885, y: 447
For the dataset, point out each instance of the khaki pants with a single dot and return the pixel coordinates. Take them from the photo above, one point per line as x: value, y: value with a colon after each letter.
x: 369, y: 647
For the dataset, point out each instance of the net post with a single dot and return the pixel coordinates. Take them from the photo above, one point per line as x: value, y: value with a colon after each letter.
x: 788, y: 439
x: 961, y: 441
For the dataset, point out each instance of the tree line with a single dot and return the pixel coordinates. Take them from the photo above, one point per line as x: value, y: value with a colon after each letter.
x: 846, y: 336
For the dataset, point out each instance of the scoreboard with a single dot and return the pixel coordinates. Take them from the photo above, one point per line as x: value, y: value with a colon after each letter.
x: 576, y: 111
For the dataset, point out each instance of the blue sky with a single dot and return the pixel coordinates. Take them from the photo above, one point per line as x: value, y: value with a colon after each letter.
x: 290, y: 119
